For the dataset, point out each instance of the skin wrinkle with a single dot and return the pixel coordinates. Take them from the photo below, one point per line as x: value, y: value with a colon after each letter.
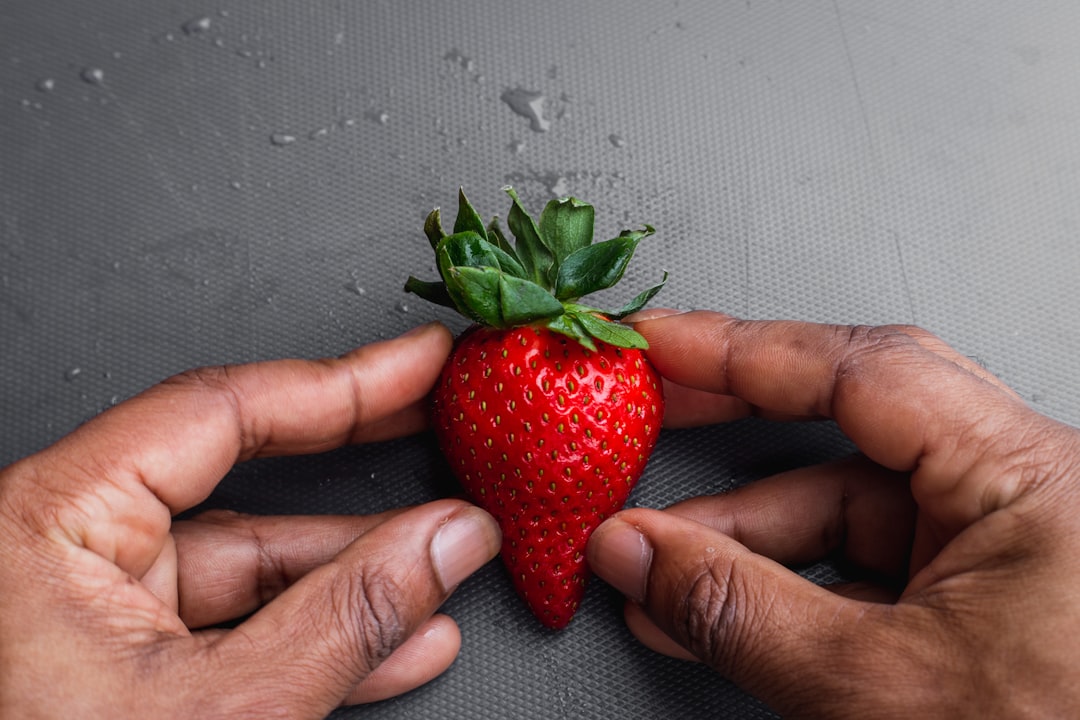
x: 708, y: 608
x: 358, y: 407
x: 271, y: 576
x: 372, y: 611
x: 214, y: 383
x: 243, y: 535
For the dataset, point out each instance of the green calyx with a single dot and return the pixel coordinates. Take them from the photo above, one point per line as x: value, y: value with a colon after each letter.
x: 541, y: 277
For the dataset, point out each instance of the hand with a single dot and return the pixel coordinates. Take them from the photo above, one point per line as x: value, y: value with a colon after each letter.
x: 101, y: 592
x: 965, y: 506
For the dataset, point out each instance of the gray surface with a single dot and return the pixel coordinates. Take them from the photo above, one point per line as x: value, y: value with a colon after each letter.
x: 844, y: 161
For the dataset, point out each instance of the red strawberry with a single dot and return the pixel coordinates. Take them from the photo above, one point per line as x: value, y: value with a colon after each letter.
x: 547, y: 410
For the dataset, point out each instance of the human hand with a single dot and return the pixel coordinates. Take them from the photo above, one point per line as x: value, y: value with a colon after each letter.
x: 965, y: 506
x: 102, y: 594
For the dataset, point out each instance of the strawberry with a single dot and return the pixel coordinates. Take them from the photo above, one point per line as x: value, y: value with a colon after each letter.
x: 547, y: 409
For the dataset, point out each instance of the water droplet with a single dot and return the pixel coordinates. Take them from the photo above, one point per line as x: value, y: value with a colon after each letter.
x: 356, y: 288
x: 403, y: 307
x: 72, y: 373
x: 93, y: 75
x: 282, y: 139
x: 560, y: 188
x: 197, y: 26
x: 458, y: 58
x: 45, y: 85
x: 517, y: 147
x: 529, y: 104
x: 318, y: 134
x: 617, y: 140
x: 380, y: 116
x: 114, y: 400
x: 235, y: 185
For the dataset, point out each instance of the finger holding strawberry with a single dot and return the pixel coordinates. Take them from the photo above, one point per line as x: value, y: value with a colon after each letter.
x: 547, y: 409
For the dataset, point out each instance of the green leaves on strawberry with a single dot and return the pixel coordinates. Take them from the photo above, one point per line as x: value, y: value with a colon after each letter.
x: 541, y: 277
x: 547, y: 410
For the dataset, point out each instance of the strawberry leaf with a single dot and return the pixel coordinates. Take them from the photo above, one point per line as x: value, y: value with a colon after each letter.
x: 540, y: 277
x: 468, y: 220
x: 640, y: 301
x: 477, y: 289
x: 569, y: 324
x: 434, y: 292
x: 497, y: 237
x: 612, y: 333
x: 594, y: 268
x: 523, y: 301
x: 502, y: 300
x: 567, y: 226
x: 535, y: 256
x: 433, y: 228
x: 469, y: 249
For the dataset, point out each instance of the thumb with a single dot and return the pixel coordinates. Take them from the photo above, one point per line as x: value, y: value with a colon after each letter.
x: 334, y: 627
x: 775, y: 634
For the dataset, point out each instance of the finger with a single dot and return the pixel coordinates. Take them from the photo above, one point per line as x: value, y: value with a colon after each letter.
x: 173, y: 443
x: 232, y: 564
x: 419, y: 660
x: 775, y: 634
x: 651, y: 636
x: 890, y: 389
x: 332, y: 628
x: 689, y: 407
x: 425, y: 655
x: 852, y: 508
x: 161, y: 578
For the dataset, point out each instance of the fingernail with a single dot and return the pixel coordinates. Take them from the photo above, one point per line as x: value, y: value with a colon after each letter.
x: 621, y: 555
x: 652, y: 314
x: 420, y: 329
x: 462, y: 544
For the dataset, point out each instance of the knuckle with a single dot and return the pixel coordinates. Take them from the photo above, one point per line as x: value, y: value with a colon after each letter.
x: 367, y: 602
x: 860, y: 341
x: 1039, y: 454
x: 863, y: 349
x: 217, y: 384
x: 209, y: 378
x: 713, y: 612
x: 271, y: 572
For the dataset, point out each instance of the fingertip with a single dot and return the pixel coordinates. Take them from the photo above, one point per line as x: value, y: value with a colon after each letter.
x: 619, y: 552
x: 652, y: 314
x: 651, y: 636
x: 433, y: 328
x: 463, y: 542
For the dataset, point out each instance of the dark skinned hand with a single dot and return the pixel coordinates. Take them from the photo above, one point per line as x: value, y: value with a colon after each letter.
x: 964, y: 503
x: 103, y: 596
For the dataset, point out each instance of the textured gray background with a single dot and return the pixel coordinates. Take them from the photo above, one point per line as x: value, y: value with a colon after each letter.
x: 220, y: 181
